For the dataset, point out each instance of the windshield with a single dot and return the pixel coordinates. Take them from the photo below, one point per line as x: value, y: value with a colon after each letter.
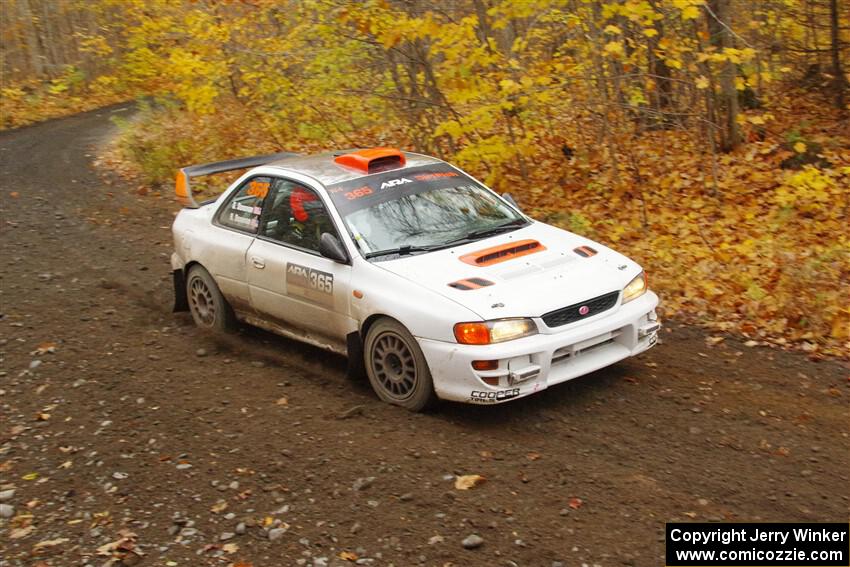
x: 425, y: 208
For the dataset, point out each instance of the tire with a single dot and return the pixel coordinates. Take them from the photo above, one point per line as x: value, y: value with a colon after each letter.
x: 396, y: 367
x: 209, y: 309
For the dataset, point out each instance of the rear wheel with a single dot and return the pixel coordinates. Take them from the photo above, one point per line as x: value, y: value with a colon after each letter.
x: 396, y: 366
x: 206, y: 303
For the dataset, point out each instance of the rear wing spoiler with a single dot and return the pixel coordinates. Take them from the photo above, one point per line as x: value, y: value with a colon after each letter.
x: 183, y: 186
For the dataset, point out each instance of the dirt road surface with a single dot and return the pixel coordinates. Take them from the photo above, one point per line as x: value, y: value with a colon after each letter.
x: 138, y: 432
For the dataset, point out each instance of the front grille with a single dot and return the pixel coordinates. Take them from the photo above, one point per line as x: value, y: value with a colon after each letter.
x: 572, y: 313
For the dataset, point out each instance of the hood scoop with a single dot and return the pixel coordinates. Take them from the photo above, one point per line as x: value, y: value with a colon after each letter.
x: 502, y: 253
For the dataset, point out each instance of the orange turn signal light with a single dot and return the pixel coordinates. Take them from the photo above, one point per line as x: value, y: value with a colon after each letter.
x: 485, y: 364
x: 472, y: 333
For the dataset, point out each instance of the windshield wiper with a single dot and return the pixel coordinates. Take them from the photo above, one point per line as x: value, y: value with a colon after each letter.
x: 403, y: 250
x: 498, y: 229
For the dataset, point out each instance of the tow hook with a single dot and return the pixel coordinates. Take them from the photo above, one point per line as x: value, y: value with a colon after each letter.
x: 523, y: 374
x: 647, y: 330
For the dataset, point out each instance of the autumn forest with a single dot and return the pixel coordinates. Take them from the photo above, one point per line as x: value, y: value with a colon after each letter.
x: 708, y: 139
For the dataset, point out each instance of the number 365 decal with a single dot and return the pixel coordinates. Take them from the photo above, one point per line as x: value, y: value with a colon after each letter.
x: 310, y: 284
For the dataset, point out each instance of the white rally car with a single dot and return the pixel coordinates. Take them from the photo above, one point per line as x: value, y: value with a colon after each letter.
x: 433, y: 283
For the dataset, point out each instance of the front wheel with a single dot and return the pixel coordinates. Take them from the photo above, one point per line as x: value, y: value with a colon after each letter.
x: 206, y: 303
x: 396, y: 366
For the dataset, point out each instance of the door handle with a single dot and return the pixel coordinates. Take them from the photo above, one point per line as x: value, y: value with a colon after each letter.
x: 259, y: 263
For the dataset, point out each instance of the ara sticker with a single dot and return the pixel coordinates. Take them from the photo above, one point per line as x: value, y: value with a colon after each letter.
x: 395, y: 182
x: 312, y: 285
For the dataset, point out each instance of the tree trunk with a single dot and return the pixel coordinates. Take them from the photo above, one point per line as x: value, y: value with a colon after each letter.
x: 721, y: 38
x: 839, y: 80
x: 662, y: 96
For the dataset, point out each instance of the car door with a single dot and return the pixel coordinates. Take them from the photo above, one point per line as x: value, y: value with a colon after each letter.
x: 290, y: 283
x: 235, y: 225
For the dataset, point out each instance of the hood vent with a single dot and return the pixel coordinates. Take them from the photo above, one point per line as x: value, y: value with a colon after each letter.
x: 470, y: 283
x: 585, y: 251
x: 502, y: 253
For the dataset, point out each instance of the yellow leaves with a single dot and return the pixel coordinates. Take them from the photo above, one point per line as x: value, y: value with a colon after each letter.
x: 450, y: 127
x: 614, y: 48
x: 840, y: 324
x: 650, y: 32
x: 509, y: 85
x: 810, y: 190
x: 690, y: 9
x: 690, y: 13
x: 612, y: 29
x: 800, y: 147
x: 701, y: 82
x: 465, y: 482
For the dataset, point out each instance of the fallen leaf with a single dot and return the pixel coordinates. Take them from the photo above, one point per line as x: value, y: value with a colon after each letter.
x: 125, y: 543
x: 467, y: 481
x: 50, y: 543
x: 533, y: 456
x: 282, y: 401
x: 14, y: 194
x: 42, y: 416
x: 348, y: 555
x: 44, y: 348
x: 30, y: 476
x: 711, y: 341
x: 66, y: 465
x: 751, y: 343
x: 219, y: 506
x: 230, y: 548
x: 575, y: 503
x: 19, y: 533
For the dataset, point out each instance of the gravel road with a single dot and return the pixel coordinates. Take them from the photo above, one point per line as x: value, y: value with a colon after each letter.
x: 127, y: 437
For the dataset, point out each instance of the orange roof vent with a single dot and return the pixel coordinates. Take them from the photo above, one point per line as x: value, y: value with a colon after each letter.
x: 502, y: 253
x: 373, y: 160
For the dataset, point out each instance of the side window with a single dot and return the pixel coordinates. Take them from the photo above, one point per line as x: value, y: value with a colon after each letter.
x: 242, y: 211
x: 296, y: 215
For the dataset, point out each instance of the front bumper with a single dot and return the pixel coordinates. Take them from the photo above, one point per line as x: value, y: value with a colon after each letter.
x: 534, y: 363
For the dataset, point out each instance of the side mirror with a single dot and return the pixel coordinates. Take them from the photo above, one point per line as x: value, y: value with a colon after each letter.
x: 330, y: 247
x: 510, y: 199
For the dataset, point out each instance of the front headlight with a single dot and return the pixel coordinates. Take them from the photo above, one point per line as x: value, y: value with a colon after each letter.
x: 499, y: 331
x: 636, y: 288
